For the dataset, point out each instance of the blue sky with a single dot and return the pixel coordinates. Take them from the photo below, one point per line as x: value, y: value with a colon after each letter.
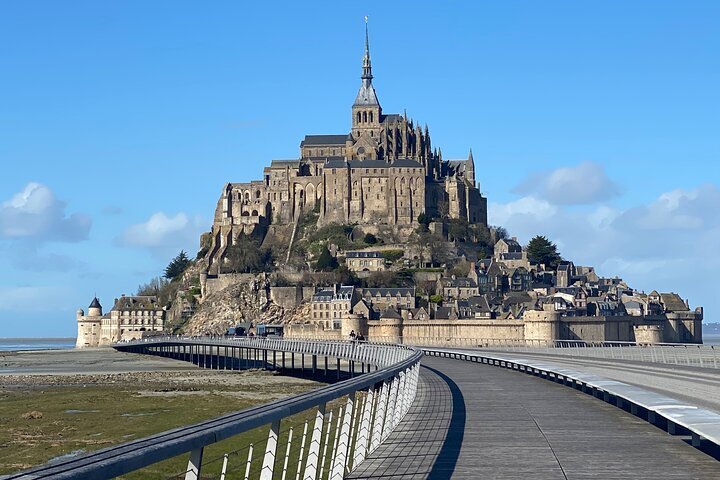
x: 593, y: 123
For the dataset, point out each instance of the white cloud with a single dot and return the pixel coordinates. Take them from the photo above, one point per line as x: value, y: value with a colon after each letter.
x: 35, y: 298
x: 583, y: 184
x: 35, y: 214
x: 164, y: 233
x: 670, y: 243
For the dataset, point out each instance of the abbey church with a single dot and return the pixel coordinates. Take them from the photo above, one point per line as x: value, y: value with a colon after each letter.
x: 385, y: 171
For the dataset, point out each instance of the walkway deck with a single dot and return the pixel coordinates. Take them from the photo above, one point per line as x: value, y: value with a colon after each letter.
x: 477, y: 421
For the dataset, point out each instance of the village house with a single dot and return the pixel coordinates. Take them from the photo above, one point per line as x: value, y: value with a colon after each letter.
x: 364, y: 261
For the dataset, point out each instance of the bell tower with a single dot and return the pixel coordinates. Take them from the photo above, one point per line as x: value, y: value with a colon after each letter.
x: 366, y: 110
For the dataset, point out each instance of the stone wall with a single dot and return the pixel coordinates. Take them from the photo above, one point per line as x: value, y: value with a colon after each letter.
x: 311, y: 331
x: 220, y: 282
x: 477, y: 332
x: 286, y: 297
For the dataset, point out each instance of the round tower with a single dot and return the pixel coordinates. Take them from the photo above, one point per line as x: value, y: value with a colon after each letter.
x: 95, y: 309
x: 353, y: 322
x: 89, y: 325
x: 542, y: 327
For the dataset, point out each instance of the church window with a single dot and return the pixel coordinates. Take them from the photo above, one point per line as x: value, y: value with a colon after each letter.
x: 358, y: 117
x: 364, y: 117
x: 371, y: 119
x: 372, y: 134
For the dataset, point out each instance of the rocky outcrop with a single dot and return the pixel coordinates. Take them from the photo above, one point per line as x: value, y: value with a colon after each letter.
x: 238, y: 303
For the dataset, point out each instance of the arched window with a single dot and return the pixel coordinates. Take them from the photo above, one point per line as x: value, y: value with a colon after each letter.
x: 257, y: 193
x: 358, y: 117
x: 364, y: 117
x: 371, y: 117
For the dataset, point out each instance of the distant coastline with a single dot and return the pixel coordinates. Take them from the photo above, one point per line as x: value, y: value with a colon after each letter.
x: 25, y: 344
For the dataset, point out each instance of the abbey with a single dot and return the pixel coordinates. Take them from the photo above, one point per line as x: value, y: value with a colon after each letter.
x: 385, y: 171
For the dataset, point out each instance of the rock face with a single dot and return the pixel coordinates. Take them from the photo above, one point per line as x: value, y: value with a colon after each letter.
x: 238, y: 303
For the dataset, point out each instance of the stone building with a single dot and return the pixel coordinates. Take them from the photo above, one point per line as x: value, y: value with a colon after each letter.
x: 389, y: 298
x: 384, y: 171
x: 457, y: 287
x: 364, y: 261
x: 330, y: 305
x: 131, y: 318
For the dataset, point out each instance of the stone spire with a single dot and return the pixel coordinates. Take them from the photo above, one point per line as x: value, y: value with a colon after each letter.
x: 366, y: 95
x: 367, y: 66
x: 470, y: 169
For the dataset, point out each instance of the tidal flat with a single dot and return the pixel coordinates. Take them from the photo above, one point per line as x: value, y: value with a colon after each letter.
x: 57, y: 404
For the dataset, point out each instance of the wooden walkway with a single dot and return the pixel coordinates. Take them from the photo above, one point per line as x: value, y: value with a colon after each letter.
x: 482, y: 422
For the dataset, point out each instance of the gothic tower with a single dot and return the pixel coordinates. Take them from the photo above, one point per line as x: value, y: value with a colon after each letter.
x: 366, y: 110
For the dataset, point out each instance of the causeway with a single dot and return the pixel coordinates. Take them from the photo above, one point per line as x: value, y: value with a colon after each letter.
x: 476, y: 421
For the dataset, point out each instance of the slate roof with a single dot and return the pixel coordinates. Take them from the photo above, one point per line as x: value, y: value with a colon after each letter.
x: 479, y: 303
x: 673, y: 302
x: 390, y: 313
x: 345, y: 292
x: 511, y: 256
x: 360, y: 254
x: 285, y: 163
x: 323, y: 140
x: 513, y: 245
x: 403, y: 292
x: 366, y: 95
x: 400, y: 162
x: 148, y: 302
x: 95, y: 303
x: 457, y: 282
x: 336, y: 162
x: 443, y: 313
x: 391, y: 118
x: 324, y: 158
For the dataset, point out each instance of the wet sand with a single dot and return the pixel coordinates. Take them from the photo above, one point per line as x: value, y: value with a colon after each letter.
x: 102, y: 360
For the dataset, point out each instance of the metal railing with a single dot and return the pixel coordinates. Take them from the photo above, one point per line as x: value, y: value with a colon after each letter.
x: 370, y: 405
x: 689, y: 354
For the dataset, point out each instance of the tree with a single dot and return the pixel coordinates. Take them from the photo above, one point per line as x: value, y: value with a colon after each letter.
x: 542, y: 250
x: 326, y: 262
x: 500, y: 233
x: 177, y: 266
x: 153, y: 287
x: 457, y: 230
x: 246, y: 256
x: 370, y: 239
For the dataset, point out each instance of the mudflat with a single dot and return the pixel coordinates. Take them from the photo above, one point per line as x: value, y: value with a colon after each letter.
x: 64, y: 403
x: 84, y: 361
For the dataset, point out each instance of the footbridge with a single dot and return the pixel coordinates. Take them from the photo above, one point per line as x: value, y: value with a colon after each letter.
x: 465, y: 413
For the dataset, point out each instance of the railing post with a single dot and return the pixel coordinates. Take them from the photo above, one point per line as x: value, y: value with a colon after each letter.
x: 311, y: 464
x: 287, y: 455
x: 194, y: 464
x: 302, y: 452
x: 390, y: 413
x: 268, y: 465
x: 341, y: 454
x: 363, y: 436
x: 380, y: 410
